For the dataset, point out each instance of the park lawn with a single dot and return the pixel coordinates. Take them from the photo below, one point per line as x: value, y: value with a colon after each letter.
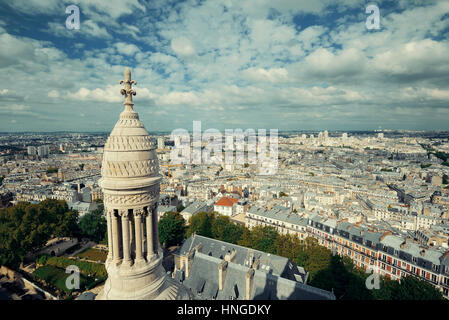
x: 57, y: 277
x: 93, y: 254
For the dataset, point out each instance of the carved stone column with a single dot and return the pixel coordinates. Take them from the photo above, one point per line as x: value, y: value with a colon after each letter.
x: 125, y: 230
x: 150, y: 243
x: 109, y: 214
x: 144, y: 234
x: 115, y: 238
x: 138, y: 227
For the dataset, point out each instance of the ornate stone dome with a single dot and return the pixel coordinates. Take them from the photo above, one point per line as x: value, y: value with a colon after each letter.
x: 131, y: 184
x: 129, y: 159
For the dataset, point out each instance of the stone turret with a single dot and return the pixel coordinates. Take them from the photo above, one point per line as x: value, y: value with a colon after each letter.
x: 131, y: 183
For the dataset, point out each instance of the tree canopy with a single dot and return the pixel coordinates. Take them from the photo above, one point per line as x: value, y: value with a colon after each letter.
x: 93, y: 225
x: 172, y: 229
x: 26, y: 227
x: 201, y: 224
x: 225, y: 230
x: 261, y: 238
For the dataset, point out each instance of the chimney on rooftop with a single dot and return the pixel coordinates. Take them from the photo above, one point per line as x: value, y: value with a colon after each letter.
x: 198, y: 247
x: 230, y: 256
x: 256, y: 264
x: 222, y: 267
x: 249, y: 283
x: 188, y: 261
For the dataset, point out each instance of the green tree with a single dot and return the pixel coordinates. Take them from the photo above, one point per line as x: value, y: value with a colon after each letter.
x: 225, y: 230
x: 27, y: 227
x: 313, y: 257
x: 201, y: 224
x: 172, y: 229
x: 52, y: 169
x: 261, y: 238
x: 93, y: 225
x: 68, y: 225
x: 337, y: 278
x: 410, y: 288
x: 288, y: 246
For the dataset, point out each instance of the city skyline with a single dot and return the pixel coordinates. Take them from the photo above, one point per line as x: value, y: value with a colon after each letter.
x: 323, y: 217
x: 297, y: 66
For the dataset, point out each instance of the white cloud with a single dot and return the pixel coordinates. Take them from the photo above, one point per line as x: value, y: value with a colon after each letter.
x: 274, y: 75
x: 88, y: 28
x: 91, y: 28
x: 53, y: 94
x: 322, y: 62
x: 414, y: 94
x: 128, y: 49
x: 15, y: 50
x: 415, y: 57
x: 112, y: 8
x: 109, y: 94
x: 182, y: 46
x: 179, y: 98
x: 232, y: 58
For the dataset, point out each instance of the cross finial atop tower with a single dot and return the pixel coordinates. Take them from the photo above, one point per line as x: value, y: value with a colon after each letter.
x: 128, y: 91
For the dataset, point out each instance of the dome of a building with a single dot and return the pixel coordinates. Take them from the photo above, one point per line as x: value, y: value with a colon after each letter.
x: 131, y: 183
x: 129, y: 158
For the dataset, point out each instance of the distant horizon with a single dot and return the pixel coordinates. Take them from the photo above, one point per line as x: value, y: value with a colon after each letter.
x: 279, y: 130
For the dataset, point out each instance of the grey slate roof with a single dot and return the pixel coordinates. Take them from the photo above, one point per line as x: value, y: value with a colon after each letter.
x: 203, y: 283
x: 278, y: 213
x: 218, y: 249
x: 412, y: 248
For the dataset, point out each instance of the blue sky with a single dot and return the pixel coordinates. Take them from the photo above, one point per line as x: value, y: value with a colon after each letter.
x: 231, y: 64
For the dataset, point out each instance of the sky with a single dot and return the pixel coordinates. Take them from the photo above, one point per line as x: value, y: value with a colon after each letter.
x: 260, y: 64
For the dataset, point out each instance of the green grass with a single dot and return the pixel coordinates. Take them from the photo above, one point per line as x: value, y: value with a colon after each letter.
x: 93, y: 254
x: 57, y: 277
x: 90, y: 269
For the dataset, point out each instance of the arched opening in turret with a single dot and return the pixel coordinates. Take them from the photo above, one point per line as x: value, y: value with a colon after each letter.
x: 132, y: 238
x: 144, y: 232
x: 119, y: 235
